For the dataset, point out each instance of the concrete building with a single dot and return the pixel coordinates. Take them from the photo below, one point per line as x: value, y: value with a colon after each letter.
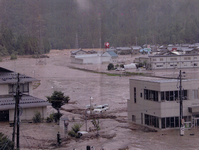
x: 28, y: 104
x: 155, y: 101
x: 174, y: 61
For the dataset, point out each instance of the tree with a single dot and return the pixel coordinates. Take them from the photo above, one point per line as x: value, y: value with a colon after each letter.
x: 57, y: 100
x: 5, y: 143
x: 110, y: 66
x: 95, y: 123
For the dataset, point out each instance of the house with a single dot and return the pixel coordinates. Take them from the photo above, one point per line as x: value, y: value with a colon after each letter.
x: 78, y: 52
x: 28, y: 104
x: 154, y: 101
x: 136, y: 50
x: 124, y: 50
x: 112, y: 55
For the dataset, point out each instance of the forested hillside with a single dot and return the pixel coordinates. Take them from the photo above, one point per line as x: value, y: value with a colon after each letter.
x: 35, y: 26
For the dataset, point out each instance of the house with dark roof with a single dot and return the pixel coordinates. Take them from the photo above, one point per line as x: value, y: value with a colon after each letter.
x: 79, y: 52
x: 28, y: 104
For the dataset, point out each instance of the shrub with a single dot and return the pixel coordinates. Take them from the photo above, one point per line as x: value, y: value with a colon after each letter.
x: 37, y: 117
x: 5, y: 142
x: 73, y: 132
x: 110, y: 66
x: 13, y: 56
x: 122, y: 66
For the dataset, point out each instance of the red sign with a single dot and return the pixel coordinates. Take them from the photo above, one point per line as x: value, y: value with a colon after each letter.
x: 106, y: 45
x: 174, y: 49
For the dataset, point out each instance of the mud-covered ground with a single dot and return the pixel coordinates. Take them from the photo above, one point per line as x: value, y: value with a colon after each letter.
x: 115, y: 133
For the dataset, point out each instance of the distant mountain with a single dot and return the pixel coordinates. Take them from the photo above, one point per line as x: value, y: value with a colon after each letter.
x: 118, y: 22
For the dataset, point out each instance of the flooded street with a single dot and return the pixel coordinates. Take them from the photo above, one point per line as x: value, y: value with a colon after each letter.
x: 80, y: 86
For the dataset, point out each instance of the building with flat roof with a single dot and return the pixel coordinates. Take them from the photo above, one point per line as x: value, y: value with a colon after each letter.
x: 154, y: 101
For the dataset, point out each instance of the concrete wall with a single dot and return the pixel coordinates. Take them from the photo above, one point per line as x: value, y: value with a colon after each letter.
x: 161, y: 108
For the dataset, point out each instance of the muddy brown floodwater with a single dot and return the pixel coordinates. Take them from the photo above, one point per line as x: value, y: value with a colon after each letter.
x: 115, y: 132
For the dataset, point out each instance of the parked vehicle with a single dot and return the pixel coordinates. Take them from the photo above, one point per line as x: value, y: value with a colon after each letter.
x: 80, y: 133
x: 97, y: 111
x: 100, y: 109
x: 92, y: 106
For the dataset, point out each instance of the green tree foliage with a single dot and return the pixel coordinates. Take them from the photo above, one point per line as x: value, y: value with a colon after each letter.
x: 37, y: 117
x: 118, y: 22
x: 95, y: 123
x: 5, y: 142
x: 57, y: 100
x: 74, y: 129
x: 110, y: 66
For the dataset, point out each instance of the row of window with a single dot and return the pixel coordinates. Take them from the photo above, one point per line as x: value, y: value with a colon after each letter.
x: 151, y: 120
x: 174, y: 58
x: 165, y: 95
x: 22, y: 87
x: 173, y: 95
x: 167, y: 122
x: 172, y: 122
x: 175, y: 65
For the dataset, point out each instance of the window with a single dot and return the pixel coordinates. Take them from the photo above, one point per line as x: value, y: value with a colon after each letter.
x: 195, y: 94
x: 172, y: 95
x: 152, y: 121
x: 23, y: 88
x: 161, y: 59
x: 195, y: 57
x: 172, y: 122
x: 154, y: 59
x: 151, y: 95
x: 140, y: 94
x: 134, y: 95
x: 162, y: 96
x: 173, y: 58
x: 159, y: 66
x: 133, y: 118
x: 187, y: 58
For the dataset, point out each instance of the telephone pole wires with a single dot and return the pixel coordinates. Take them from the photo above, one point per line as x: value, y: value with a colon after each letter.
x: 181, y: 107
x: 16, y: 113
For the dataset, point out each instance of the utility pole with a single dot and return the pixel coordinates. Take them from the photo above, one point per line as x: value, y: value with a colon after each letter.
x: 136, y: 40
x: 16, y: 113
x: 181, y: 107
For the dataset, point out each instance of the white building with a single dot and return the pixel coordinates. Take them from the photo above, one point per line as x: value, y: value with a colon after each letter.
x: 28, y: 104
x: 174, y: 61
x: 97, y: 58
x: 155, y: 101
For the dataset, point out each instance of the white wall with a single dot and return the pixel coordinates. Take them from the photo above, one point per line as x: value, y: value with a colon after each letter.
x: 28, y: 113
x: 4, y: 89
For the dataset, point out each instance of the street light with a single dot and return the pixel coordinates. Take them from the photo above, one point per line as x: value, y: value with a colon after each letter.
x: 90, y: 103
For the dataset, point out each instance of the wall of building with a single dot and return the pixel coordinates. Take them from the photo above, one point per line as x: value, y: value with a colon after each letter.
x: 4, y: 89
x: 161, y: 109
x: 90, y: 59
x: 175, y: 61
x: 28, y: 113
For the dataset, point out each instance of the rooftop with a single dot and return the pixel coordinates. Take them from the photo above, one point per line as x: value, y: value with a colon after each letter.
x: 26, y: 101
x: 8, y: 76
x: 158, y: 79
